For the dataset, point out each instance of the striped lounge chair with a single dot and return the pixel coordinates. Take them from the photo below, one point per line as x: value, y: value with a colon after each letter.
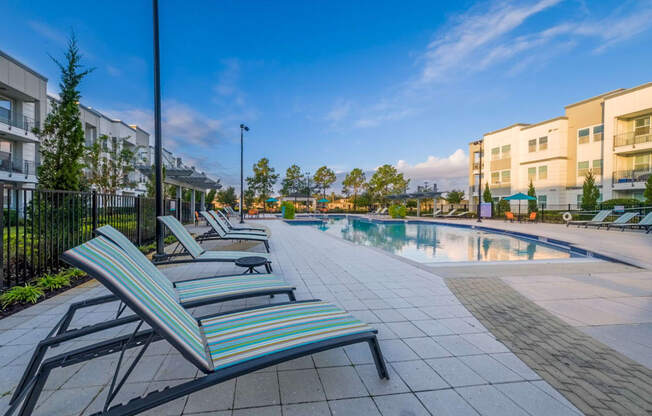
x: 623, y: 219
x: 191, y: 247
x: 220, y: 214
x: 218, y: 227
x: 599, y: 217
x: 222, y: 346
x: 644, y: 223
x: 189, y: 293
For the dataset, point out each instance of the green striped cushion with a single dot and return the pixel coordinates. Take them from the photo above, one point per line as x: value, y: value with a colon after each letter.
x: 123, y: 242
x: 246, y: 335
x: 184, y: 237
x: 214, y: 225
x: 230, y: 255
x: 228, y: 229
x: 227, y: 286
x: 105, y: 261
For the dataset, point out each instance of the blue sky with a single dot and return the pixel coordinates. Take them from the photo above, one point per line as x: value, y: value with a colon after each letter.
x: 346, y: 84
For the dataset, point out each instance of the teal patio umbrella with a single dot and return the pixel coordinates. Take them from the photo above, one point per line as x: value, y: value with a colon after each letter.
x: 272, y: 200
x: 520, y: 197
x: 323, y: 200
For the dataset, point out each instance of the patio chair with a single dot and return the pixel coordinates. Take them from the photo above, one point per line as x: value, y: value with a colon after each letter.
x: 450, y: 214
x: 461, y: 214
x: 437, y: 212
x: 188, y: 246
x: 532, y: 217
x: 383, y: 211
x: 230, y: 210
x: 214, y: 344
x: 220, y: 214
x: 599, y: 217
x: 228, y: 230
x: 644, y: 223
x: 623, y: 219
x: 509, y: 216
x: 218, y: 233
x: 190, y: 293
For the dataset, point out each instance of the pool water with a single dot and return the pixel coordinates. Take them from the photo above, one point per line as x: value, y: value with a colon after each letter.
x: 433, y: 243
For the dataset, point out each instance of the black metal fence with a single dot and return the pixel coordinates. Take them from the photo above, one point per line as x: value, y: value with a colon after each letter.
x: 38, y: 225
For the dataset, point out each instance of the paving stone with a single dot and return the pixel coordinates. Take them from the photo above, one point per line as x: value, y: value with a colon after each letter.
x: 377, y: 386
x: 341, y: 383
x: 490, y: 369
x: 405, y: 329
x: 259, y: 411
x: 446, y: 403
x: 218, y: 397
x: 433, y: 327
x: 400, y: 405
x: 331, y: 358
x: 455, y: 372
x: 419, y: 376
x: 485, y: 342
x: 457, y: 345
x: 299, y: 386
x: 427, y: 347
x: 354, y: 407
x: 175, y: 407
x: 396, y: 350
x: 512, y: 362
x: 534, y: 400
x: 59, y: 402
x: 305, y: 409
x: 389, y: 315
x: 489, y: 401
x: 256, y: 389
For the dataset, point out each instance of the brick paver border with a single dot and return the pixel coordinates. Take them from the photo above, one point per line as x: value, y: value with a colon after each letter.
x: 595, y: 378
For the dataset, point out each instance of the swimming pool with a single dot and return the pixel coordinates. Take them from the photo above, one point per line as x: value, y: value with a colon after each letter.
x: 435, y: 243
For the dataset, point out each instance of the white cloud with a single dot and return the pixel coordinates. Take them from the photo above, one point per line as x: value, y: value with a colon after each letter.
x: 48, y: 32
x: 448, y: 172
x: 113, y: 71
x: 340, y: 110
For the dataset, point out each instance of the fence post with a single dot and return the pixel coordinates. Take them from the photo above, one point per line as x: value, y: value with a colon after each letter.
x: 138, y: 222
x: 94, y: 209
x: 2, y: 235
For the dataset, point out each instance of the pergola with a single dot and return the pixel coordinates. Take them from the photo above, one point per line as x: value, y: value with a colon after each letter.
x: 419, y: 195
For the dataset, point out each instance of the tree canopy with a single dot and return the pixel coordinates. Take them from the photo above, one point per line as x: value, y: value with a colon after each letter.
x: 227, y: 196
x: 486, y: 194
x: 353, y: 183
x: 108, y: 167
x: 291, y: 182
x: 590, y: 192
x: 386, y: 181
x: 324, y: 178
x: 531, y: 204
x: 264, y: 179
x: 455, y: 196
x: 62, y: 134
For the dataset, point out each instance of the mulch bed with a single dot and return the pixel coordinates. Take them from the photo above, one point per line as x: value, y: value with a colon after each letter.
x: 17, y: 307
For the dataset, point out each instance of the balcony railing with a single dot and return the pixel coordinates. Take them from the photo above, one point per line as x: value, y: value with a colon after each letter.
x: 631, y: 139
x: 497, y: 189
x: 632, y: 176
x: 20, y: 121
x: 16, y: 166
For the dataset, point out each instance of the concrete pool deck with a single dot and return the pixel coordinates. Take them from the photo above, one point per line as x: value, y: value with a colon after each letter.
x: 442, y: 360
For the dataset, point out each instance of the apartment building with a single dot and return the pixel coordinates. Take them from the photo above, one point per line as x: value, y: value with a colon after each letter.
x: 608, y: 135
x: 23, y: 103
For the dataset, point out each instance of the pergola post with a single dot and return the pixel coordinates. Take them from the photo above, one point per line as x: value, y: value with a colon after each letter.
x: 179, y: 202
x: 193, y: 207
x: 202, y: 200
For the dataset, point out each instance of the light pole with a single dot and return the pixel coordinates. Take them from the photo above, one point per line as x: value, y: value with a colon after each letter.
x: 158, y: 168
x: 243, y: 128
x: 308, y: 192
x: 479, y: 142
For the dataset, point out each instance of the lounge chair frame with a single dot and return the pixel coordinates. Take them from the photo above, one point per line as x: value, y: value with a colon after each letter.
x: 214, y: 234
x: 32, y: 384
x: 231, y: 226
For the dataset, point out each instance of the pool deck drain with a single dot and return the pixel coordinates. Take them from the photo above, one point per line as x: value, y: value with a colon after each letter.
x: 595, y: 378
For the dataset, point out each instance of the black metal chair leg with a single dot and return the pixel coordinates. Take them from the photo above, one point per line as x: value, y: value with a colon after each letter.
x: 378, y: 358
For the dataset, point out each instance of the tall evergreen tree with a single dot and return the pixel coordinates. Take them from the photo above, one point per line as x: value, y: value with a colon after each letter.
x: 62, y: 135
x: 353, y: 183
x: 590, y: 192
x: 324, y: 178
x: 486, y: 194
x: 531, y: 204
x: 291, y: 181
x: 263, y: 181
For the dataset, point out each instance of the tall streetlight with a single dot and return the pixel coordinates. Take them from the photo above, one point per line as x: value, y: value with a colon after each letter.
x: 243, y: 128
x: 308, y: 192
x: 479, y: 142
x: 158, y: 167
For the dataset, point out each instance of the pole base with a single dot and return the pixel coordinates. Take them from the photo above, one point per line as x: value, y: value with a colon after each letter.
x: 159, y: 257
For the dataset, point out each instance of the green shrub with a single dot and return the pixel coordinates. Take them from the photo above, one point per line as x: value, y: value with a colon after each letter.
x: 397, y: 211
x: 503, y: 206
x: 169, y: 240
x: 627, y: 202
x: 74, y: 273
x: 54, y: 282
x: 21, y: 294
x: 289, y: 210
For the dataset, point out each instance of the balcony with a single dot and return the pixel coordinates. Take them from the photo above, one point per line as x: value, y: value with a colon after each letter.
x: 630, y: 141
x: 500, y: 189
x: 19, y: 126
x: 627, y: 179
x: 17, y: 168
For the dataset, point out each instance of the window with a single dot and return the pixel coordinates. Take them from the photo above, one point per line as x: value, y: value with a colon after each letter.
x: 532, y: 145
x: 543, y: 200
x: 582, y: 168
x: 642, y: 162
x: 583, y: 135
x: 597, y: 167
x: 543, y: 172
x: 543, y: 143
x: 579, y: 199
x: 495, y: 177
x: 531, y: 174
x: 495, y: 153
x: 505, y: 176
x: 597, y: 133
x: 506, y: 151
x: 5, y: 110
x: 642, y: 126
